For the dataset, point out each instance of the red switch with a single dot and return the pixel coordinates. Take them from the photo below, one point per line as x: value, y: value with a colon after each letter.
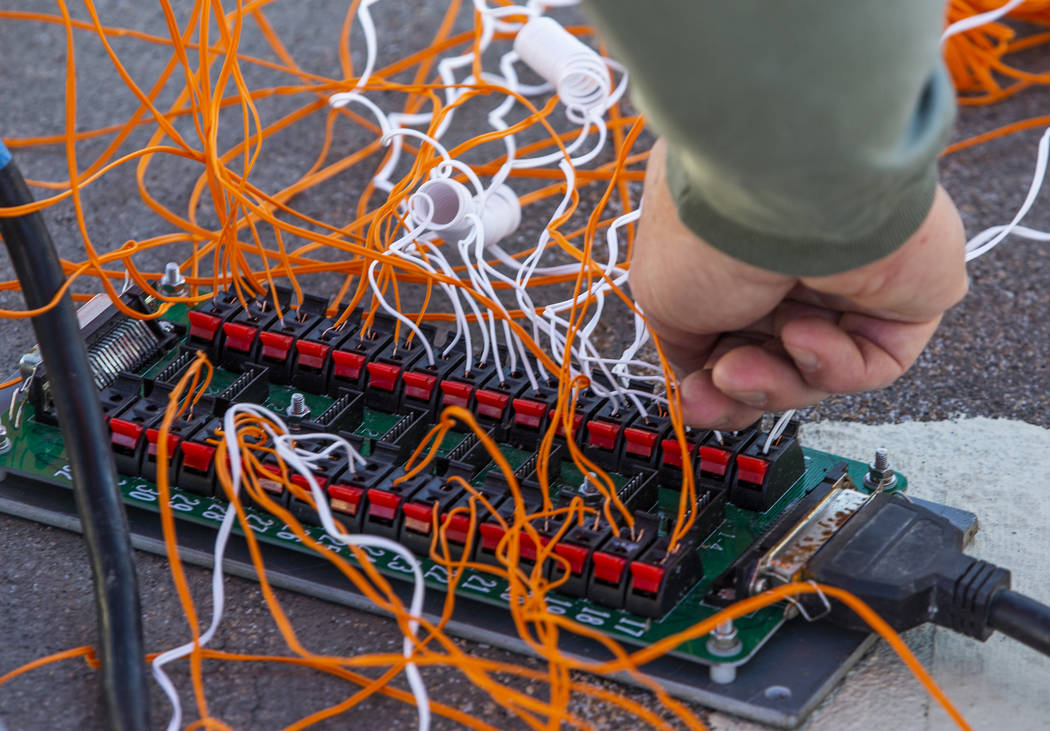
x: 203, y: 326
x: 383, y: 375
x: 197, y: 456
x: 275, y: 345
x: 714, y: 461
x: 152, y: 435
x: 603, y: 434
x: 608, y: 568
x: 672, y: 454
x: 347, y: 365
x: 751, y: 469
x: 455, y: 393
x: 345, y: 498
x: 528, y: 413
x: 126, y: 434
x: 491, y: 403
x: 312, y: 355
x: 646, y: 577
x: 239, y: 336
x: 419, y: 385
x: 639, y: 441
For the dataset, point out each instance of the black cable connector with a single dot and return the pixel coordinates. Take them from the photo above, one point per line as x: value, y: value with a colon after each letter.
x: 98, y: 498
x: 907, y: 564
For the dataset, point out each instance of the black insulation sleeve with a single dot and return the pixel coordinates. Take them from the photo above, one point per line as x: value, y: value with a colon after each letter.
x: 124, y: 680
x: 1022, y: 618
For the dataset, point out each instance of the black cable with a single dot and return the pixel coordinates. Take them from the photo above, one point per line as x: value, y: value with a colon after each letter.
x: 907, y: 564
x: 1024, y: 619
x: 87, y: 441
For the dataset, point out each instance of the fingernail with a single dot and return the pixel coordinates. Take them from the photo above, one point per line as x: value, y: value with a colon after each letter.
x: 751, y: 398
x: 805, y: 360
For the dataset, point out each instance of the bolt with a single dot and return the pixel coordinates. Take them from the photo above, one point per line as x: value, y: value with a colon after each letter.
x: 880, y: 472
x: 724, y: 640
x: 5, y: 443
x: 172, y: 284
x: 297, y: 408
x: 589, y: 492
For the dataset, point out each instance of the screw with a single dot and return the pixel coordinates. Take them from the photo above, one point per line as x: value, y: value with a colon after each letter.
x: 589, y: 492
x: 172, y: 284
x: 5, y: 443
x: 724, y: 640
x: 297, y: 407
x: 880, y: 472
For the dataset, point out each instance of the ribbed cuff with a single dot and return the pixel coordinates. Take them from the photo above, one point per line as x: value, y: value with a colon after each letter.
x: 801, y: 257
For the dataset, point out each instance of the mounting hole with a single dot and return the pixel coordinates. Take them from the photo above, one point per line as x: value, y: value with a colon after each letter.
x: 778, y: 693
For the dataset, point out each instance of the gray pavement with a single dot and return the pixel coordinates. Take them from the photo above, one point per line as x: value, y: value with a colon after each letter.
x: 989, y: 359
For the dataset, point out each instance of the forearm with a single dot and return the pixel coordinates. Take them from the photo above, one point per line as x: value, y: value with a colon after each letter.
x: 802, y: 136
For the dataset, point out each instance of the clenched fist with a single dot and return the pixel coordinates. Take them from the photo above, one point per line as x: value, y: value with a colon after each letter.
x: 745, y: 340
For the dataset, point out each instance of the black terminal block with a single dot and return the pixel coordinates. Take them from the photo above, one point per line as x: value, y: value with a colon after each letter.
x: 118, y: 395
x: 384, y: 510
x: 456, y: 520
x: 660, y: 579
x: 459, y: 387
x: 716, y: 456
x: 434, y: 499
x: 206, y: 321
x: 604, y: 429
x: 761, y: 478
x: 492, y: 402
x: 351, y: 358
x: 421, y: 381
x: 312, y: 366
x: 577, y: 548
x: 241, y: 344
x: 491, y: 532
x: 643, y: 441
x: 195, y: 468
x: 277, y: 343
x: 530, y: 416
x: 384, y: 384
x: 672, y: 458
x: 610, y: 574
x: 186, y: 426
x: 402, y: 438
x: 587, y: 404
x: 347, y: 495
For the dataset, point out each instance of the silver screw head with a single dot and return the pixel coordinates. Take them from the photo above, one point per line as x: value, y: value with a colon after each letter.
x: 297, y: 407
x: 880, y: 474
x: 172, y: 284
x: 724, y: 639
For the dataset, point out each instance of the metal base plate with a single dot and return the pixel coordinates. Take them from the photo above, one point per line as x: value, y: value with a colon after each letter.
x: 780, y: 686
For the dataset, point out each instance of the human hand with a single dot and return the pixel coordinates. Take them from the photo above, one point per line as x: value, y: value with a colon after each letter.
x: 745, y: 340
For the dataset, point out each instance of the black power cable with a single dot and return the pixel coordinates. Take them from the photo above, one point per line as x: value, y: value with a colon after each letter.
x: 1024, y: 619
x: 124, y: 683
x: 907, y: 564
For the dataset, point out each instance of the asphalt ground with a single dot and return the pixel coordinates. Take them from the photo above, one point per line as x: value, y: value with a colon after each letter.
x: 988, y: 359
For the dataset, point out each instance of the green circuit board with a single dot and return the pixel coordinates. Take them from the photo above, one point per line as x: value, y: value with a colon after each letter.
x: 38, y: 452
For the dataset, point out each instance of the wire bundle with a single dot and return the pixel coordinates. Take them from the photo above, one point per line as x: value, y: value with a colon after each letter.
x: 563, y: 153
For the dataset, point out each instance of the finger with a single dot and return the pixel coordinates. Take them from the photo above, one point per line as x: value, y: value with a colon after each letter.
x: 859, y: 353
x: 706, y: 407
x: 763, y: 378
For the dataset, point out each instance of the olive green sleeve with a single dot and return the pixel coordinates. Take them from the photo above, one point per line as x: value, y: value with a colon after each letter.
x: 803, y: 135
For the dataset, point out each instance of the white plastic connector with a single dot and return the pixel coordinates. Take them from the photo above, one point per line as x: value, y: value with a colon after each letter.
x: 577, y: 72
x: 443, y: 206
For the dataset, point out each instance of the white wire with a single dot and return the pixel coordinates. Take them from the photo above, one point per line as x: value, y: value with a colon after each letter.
x: 300, y: 463
x: 988, y: 239
x: 778, y: 429
x: 976, y: 21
